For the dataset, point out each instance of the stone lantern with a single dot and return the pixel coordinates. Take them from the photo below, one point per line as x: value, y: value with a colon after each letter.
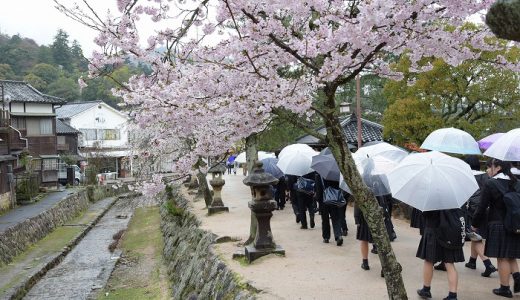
x: 262, y: 207
x: 216, y: 183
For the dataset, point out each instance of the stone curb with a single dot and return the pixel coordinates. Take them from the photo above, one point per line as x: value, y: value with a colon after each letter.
x: 21, y: 290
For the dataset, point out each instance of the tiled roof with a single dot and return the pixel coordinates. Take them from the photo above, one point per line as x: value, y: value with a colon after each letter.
x: 62, y: 128
x: 370, y: 131
x: 20, y: 91
x: 72, y: 109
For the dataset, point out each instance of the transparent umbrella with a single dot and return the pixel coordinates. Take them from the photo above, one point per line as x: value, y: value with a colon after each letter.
x: 507, y: 147
x: 451, y: 140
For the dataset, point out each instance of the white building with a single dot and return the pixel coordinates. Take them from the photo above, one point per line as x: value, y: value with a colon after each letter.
x: 104, y: 133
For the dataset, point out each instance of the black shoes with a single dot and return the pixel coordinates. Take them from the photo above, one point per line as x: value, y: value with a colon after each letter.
x: 344, y: 232
x: 488, y: 271
x: 516, y: 286
x: 440, y: 267
x: 424, y: 294
x: 471, y: 265
x: 303, y: 227
x: 382, y: 274
x: 297, y: 218
x: 450, y: 298
x: 326, y: 241
x: 365, y: 266
x: 374, y: 250
x: 503, y: 292
x: 312, y: 223
x: 339, y: 241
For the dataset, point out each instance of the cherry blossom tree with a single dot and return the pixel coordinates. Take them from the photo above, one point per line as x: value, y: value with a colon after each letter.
x: 274, y: 57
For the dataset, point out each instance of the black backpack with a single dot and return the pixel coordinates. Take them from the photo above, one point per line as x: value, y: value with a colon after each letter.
x: 305, y: 185
x: 512, y: 219
x: 451, y: 233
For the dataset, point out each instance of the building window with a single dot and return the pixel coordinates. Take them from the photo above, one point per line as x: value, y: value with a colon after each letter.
x: 50, y: 164
x: 36, y: 127
x: 89, y: 134
x: 61, y: 140
x: 18, y: 122
x: 110, y: 134
x: 101, y: 134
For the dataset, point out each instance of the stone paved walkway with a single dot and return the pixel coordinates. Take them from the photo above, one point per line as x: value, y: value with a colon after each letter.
x: 21, y: 213
x: 314, y: 270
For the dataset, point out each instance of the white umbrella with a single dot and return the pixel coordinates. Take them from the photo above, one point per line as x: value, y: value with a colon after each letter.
x: 384, y: 150
x: 451, y: 140
x: 507, y: 147
x: 264, y: 155
x: 432, y: 181
x: 241, y: 158
x: 301, y: 148
x: 296, y: 161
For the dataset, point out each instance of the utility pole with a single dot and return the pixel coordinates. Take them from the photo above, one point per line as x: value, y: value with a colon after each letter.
x: 358, y: 111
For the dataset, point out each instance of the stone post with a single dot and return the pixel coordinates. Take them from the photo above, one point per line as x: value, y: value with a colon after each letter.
x: 262, y: 207
x: 216, y: 183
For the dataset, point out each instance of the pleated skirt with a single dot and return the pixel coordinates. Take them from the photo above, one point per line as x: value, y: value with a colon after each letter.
x: 432, y: 251
x: 500, y: 243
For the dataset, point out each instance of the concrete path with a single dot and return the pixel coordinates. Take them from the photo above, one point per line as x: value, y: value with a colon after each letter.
x: 21, y: 213
x: 89, y: 265
x: 314, y: 270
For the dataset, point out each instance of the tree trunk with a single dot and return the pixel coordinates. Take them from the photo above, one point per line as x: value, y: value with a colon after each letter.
x: 368, y: 204
x: 204, y: 188
x: 251, y: 158
x: 251, y: 151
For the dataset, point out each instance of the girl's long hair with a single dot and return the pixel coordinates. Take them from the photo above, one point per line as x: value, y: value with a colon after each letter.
x: 505, y: 167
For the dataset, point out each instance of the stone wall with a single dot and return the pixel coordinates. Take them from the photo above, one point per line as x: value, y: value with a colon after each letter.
x: 195, y: 271
x: 17, y: 238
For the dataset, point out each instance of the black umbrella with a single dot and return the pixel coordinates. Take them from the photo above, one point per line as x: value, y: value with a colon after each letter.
x: 326, y: 166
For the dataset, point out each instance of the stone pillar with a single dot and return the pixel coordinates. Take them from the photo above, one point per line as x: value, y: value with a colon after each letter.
x: 217, y: 183
x: 262, y: 207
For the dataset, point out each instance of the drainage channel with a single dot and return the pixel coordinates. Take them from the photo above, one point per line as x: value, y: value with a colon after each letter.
x: 88, y: 266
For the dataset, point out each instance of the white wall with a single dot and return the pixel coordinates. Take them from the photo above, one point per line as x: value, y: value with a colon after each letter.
x: 38, y: 108
x: 35, y: 108
x: 17, y: 107
x: 102, y: 117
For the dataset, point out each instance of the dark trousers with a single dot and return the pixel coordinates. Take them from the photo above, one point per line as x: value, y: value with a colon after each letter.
x: 305, y: 203
x: 343, y: 218
x: 279, y: 195
x: 294, y: 202
x: 328, y: 214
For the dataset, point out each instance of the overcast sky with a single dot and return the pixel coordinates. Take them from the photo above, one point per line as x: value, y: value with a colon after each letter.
x: 39, y: 20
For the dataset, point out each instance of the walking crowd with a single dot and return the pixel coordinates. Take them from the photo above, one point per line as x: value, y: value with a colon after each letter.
x: 452, y: 201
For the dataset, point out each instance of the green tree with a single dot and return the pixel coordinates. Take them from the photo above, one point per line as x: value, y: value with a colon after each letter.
x: 64, y: 87
x: 46, y: 72
x: 61, y: 50
x: 278, y: 134
x: 80, y: 63
x: 473, y: 96
x: 36, y: 81
x: 6, y: 72
x: 409, y: 120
